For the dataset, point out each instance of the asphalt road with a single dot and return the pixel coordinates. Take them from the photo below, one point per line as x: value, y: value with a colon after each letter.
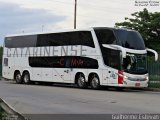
x: 58, y: 99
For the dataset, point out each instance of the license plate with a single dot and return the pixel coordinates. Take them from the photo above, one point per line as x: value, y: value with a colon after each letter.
x: 137, y: 85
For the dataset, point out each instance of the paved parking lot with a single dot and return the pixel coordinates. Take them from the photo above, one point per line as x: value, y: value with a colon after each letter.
x: 58, y: 99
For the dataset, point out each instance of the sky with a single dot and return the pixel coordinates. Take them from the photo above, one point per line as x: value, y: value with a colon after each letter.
x: 28, y: 16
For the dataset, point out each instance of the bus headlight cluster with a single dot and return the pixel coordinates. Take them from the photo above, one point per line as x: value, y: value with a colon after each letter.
x: 147, y: 78
x: 125, y: 77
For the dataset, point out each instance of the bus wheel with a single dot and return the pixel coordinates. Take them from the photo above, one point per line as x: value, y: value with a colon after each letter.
x: 94, y: 82
x: 18, y: 78
x: 26, y: 78
x: 81, y: 83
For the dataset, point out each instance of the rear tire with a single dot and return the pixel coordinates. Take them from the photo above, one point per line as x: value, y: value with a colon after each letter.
x: 81, y: 82
x: 26, y: 78
x: 94, y: 82
x: 18, y: 78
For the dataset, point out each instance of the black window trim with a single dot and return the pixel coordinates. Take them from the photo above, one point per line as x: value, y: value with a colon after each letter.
x: 35, y: 42
x: 90, y: 32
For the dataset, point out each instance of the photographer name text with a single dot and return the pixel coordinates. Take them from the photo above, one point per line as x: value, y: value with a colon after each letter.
x: 147, y: 3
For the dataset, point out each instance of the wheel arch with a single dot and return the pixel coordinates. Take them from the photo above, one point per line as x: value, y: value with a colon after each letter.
x: 25, y: 71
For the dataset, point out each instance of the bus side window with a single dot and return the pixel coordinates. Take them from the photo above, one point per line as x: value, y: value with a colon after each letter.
x: 65, y: 39
x: 5, y: 61
x: 105, y: 36
x: 21, y: 41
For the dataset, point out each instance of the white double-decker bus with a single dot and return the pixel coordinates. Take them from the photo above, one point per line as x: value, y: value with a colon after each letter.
x: 88, y: 57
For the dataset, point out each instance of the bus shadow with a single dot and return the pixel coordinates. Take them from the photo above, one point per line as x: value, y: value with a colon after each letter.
x: 102, y: 88
x: 73, y: 86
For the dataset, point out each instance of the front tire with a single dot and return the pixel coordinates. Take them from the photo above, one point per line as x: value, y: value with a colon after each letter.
x: 18, y: 78
x: 26, y: 78
x: 81, y: 82
x: 94, y: 82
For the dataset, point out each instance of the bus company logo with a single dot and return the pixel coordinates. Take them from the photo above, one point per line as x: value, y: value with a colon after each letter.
x: 47, y: 51
x: 147, y: 3
x: 113, y: 75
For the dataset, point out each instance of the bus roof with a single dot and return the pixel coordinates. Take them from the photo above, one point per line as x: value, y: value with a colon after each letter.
x: 58, y: 31
x: 46, y: 32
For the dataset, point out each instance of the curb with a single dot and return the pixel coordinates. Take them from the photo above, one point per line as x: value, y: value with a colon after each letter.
x: 11, y: 113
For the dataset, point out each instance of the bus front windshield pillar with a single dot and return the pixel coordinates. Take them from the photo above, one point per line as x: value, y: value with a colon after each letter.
x: 116, y: 47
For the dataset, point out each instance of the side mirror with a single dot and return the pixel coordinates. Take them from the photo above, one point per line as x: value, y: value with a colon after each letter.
x: 116, y: 47
x: 154, y: 52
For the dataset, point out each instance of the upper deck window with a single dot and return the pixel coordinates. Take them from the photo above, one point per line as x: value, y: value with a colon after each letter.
x: 51, y: 39
x: 105, y: 36
x: 21, y: 41
x: 66, y: 38
x: 130, y: 39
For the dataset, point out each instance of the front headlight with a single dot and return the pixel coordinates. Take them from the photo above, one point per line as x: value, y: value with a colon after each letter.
x: 147, y: 78
x: 125, y: 77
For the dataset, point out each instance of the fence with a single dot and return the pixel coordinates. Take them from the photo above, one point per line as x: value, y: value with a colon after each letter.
x: 154, y: 74
x: 0, y: 70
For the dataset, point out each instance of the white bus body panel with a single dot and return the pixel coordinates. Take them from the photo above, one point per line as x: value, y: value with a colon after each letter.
x: 107, y: 76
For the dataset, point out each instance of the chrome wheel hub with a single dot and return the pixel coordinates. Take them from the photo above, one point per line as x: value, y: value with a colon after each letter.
x: 95, y: 82
x: 81, y: 81
x: 18, y: 77
x: 26, y: 79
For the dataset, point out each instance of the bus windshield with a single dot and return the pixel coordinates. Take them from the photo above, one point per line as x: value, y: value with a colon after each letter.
x: 130, y: 39
x: 135, y: 64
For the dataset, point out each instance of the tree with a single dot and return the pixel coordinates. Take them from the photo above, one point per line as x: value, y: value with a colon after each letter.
x: 148, y: 24
x: 1, y: 53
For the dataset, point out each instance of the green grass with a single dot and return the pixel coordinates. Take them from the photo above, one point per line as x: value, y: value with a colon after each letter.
x: 1, y: 113
x: 154, y: 85
x: 154, y: 81
x: 154, y: 77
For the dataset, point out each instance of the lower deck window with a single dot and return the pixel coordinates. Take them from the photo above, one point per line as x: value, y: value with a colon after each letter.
x: 63, y: 62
